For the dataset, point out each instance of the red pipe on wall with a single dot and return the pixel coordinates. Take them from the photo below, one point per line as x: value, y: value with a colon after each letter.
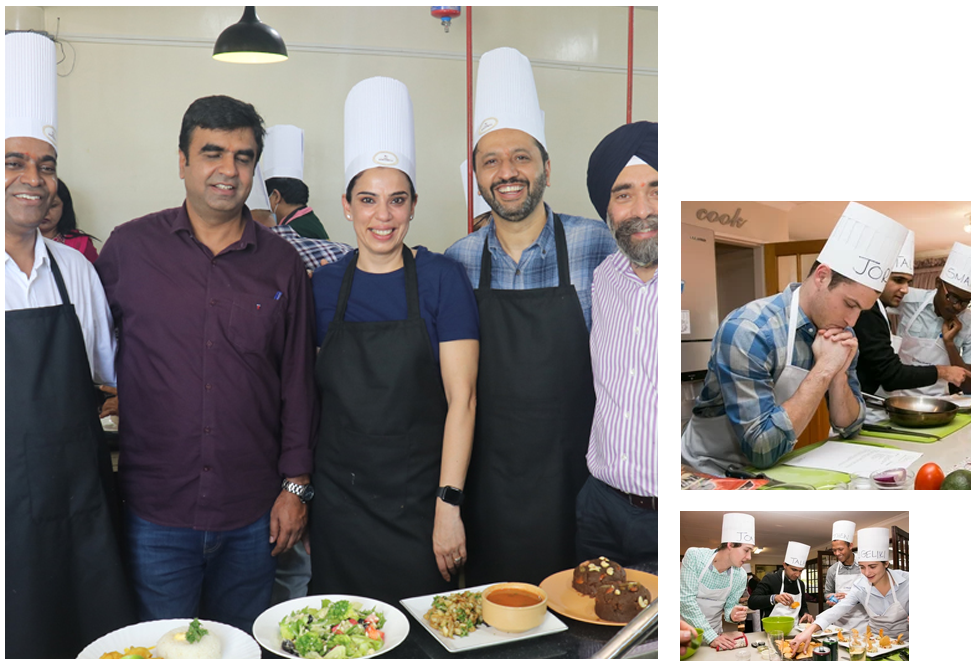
x: 468, y: 123
x: 631, y: 54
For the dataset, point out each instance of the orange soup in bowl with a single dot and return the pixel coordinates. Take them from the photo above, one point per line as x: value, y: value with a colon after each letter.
x: 514, y: 597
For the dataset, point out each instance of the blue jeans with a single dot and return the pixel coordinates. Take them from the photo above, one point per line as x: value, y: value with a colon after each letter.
x: 608, y: 525
x: 224, y: 576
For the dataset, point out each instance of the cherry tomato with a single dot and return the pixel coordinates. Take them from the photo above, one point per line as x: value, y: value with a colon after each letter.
x: 929, y: 477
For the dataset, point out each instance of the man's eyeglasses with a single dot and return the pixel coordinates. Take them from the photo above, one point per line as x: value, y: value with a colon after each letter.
x: 954, y: 299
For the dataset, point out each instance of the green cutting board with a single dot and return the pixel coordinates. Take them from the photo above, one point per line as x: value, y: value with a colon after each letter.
x: 956, y: 424
x: 814, y: 477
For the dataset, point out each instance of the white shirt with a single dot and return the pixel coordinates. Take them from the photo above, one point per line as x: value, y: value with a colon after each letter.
x: 864, y: 593
x: 39, y: 290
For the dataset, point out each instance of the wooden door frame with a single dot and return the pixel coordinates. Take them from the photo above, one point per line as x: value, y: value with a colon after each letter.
x: 774, y: 250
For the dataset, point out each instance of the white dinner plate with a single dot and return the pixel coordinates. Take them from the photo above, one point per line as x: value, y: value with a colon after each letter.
x: 265, y: 629
x: 235, y: 644
x: 483, y: 635
x: 882, y: 651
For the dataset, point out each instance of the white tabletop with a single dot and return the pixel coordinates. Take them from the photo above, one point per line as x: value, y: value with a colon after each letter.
x: 707, y: 653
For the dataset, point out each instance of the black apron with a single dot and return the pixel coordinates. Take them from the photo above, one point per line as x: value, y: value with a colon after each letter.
x: 378, y: 460
x: 65, y: 582
x: 533, y: 421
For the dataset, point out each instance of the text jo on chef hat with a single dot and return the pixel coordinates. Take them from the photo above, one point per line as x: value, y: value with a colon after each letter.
x: 378, y: 128
x: 284, y: 152
x: 904, y: 260
x: 843, y: 530
x: 796, y: 555
x: 874, y: 545
x: 31, y: 87
x: 863, y: 246
x: 737, y: 528
x: 506, y: 96
x: 957, y: 269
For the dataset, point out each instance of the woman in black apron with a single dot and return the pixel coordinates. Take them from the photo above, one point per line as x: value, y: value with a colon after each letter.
x: 65, y: 585
x: 396, y: 425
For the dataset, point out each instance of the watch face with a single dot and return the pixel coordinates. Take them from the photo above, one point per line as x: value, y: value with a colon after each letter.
x: 308, y: 494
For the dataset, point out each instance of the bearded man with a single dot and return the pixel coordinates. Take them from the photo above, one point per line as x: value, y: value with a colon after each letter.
x: 617, y: 512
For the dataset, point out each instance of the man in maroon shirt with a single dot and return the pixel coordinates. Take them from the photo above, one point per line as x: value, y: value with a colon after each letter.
x: 215, y: 365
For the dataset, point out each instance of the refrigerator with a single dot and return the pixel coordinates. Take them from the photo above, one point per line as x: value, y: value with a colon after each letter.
x: 699, y: 310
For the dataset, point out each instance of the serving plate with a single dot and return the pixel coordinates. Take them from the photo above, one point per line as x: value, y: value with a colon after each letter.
x: 483, y: 635
x: 235, y: 644
x: 882, y: 651
x: 563, y: 599
x: 265, y: 629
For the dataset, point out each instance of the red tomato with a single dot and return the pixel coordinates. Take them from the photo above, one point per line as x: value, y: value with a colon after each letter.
x: 929, y: 477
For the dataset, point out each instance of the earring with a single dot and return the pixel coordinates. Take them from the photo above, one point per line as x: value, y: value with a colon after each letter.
x: 349, y: 217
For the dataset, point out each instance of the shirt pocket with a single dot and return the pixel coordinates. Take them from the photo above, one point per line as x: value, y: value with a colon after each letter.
x: 255, y: 321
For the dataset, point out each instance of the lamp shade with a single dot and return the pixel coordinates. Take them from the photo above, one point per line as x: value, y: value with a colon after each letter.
x: 250, y: 41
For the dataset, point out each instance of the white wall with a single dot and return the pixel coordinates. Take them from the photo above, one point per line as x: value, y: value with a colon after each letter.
x: 130, y: 73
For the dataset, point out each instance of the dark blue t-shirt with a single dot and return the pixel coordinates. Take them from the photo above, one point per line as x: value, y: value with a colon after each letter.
x: 446, y: 298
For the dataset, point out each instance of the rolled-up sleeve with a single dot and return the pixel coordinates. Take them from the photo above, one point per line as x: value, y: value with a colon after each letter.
x: 745, y: 363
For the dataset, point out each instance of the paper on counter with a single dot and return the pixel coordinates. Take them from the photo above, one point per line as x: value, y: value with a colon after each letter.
x: 861, y: 460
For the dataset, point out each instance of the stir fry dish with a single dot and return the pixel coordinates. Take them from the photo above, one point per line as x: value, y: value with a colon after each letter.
x: 455, y: 615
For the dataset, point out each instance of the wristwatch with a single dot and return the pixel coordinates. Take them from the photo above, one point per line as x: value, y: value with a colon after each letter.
x: 451, y: 495
x: 304, y: 491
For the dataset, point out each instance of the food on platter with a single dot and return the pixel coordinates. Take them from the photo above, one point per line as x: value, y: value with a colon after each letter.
x: 192, y: 641
x: 621, y: 601
x: 839, y: 636
x: 340, y: 629
x: 784, y: 646
x: 131, y: 652
x: 455, y: 615
x: 591, y: 574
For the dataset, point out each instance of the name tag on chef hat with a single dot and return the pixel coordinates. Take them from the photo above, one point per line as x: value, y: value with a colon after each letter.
x: 737, y: 528
x: 904, y: 260
x: 284, y: 154
x: 378, y: 128
x: 31, y: 87
x: 506, y: 96
x: 957, y: 269
x: 874, y: 544
x: 796, y: 555
x: 843, y: 530
x: 863, y: 246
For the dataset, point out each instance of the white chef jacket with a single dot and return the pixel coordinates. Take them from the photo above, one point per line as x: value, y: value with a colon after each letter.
x: 85, y: 291
x: 863, y: 592
x: 928, y: 323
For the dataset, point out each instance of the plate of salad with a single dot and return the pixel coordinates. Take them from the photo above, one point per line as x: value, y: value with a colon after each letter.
x: 331, y: 626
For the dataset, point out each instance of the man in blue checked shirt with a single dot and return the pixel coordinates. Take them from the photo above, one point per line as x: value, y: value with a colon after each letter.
x: 531, y: 270
x: 774, y: 359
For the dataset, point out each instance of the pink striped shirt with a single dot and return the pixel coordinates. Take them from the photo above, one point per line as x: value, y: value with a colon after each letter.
x: 624, y: 333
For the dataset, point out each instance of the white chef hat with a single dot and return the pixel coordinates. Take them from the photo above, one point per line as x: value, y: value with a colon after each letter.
x: 904, y: 260
x: 843, y: 530
x: 874, y: 544
x: 284, y: 152
x: 258, y: 197
x: 479, y: 205
x: 796, y: 555
x: 863, y: 246
x: 737, y: 528
x: 957, y: 269
x: 378, y: 123
x: 31, y: 95
x: 506, y: 96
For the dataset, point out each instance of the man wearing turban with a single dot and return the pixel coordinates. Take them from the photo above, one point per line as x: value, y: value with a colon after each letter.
x: 617, y: 513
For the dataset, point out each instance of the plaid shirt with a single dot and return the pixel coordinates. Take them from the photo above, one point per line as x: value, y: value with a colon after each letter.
x: 748, y: 356
x: 588, y: 243
x: 694, y: 561
x: 312, y: 251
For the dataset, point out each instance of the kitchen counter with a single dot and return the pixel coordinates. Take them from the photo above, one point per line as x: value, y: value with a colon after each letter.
x: 951, y: 453
x: 707, y: 653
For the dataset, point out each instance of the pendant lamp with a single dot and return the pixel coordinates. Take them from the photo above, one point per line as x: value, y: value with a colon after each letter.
x: 250, y: 41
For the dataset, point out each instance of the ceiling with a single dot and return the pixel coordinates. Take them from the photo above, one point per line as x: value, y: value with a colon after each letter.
x: 936, y: 225
x: 773, y: 530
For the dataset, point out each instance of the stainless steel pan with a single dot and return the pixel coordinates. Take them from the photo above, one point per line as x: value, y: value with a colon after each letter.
x: 915, y: 411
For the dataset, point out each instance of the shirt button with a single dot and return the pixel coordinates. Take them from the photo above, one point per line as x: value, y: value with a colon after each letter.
x: 207, y: 429
x: 628, y: 415
x: 213, y: 301
x: 207, y: 468
x: 210, y: 343
x: 207, y: 386
x: 638, y: 330
x: 631, y: 372
x: 517, y: 272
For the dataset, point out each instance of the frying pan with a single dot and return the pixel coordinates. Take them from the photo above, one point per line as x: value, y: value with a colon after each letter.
x: 915, y: 411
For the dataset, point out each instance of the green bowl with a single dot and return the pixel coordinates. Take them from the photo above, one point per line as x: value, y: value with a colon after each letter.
x: 778, y: 624
x: 693, y: 645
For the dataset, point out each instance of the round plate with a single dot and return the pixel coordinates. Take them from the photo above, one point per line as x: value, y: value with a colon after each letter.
x: 235, y: 643
x: 563, y: 599
x: 265, y: 629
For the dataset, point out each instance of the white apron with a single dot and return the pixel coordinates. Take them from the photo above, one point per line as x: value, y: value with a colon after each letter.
x: 895, y: 620
x: 923, y: 352
x: 857, y: 617
x: 784, y: 610
x: 709, y: 444
x: 711, y: 600
x: 895, y: 341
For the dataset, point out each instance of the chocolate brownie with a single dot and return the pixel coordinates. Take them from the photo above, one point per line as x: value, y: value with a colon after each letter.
x: 621, y: 601
x: 592, y: 573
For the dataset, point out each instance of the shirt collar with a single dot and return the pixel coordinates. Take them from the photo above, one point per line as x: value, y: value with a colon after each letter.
x: 623, y: 265
x: 182, y: 223
x: 544, y: 240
